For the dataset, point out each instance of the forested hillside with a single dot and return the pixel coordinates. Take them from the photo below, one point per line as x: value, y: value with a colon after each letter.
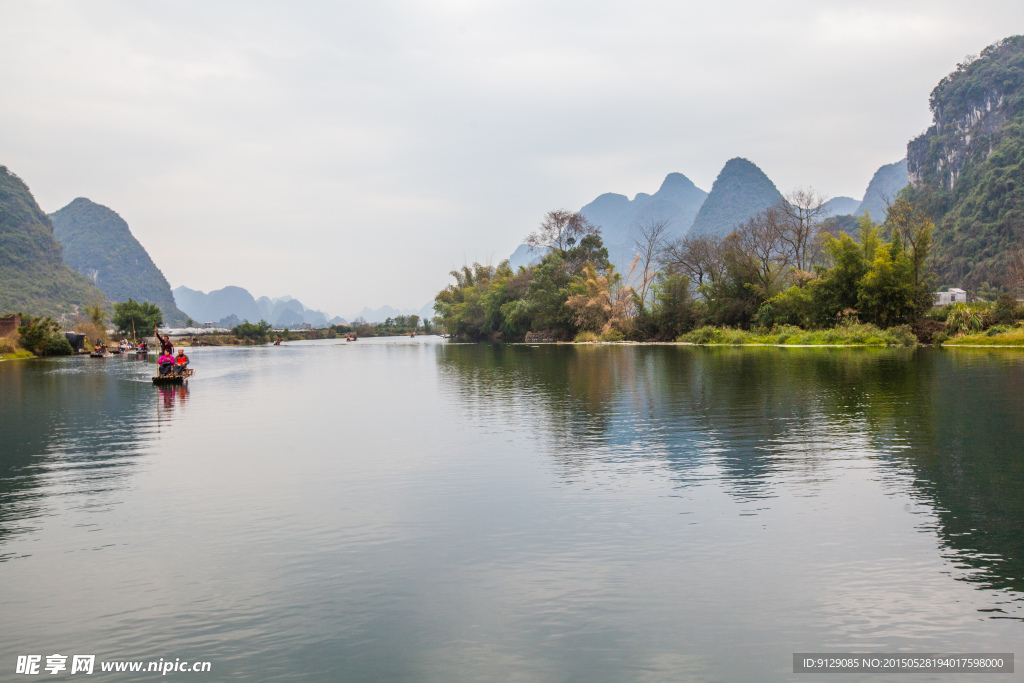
x: 33, y: 276
x: 968, y: 168
x: 98, y: 244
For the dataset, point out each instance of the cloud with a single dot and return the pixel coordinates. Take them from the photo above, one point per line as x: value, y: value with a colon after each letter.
x: 352, y: 154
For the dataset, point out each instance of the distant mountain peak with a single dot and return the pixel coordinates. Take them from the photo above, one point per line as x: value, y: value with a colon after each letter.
x: 99, y: 244
x: 885, y: 184
x: 741, y: 191
x: 676, y: 181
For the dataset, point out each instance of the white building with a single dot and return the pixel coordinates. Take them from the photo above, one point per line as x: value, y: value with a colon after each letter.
x: 953, y: 296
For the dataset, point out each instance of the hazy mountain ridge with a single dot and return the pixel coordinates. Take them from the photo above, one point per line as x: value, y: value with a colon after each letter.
x: 98, y: 243
x: 231, y: 305
x: 838, y: 206
x: 379, y: 315
x: 33, y: 276
x: 885, y: 185
x: 743, y: 190
x: 676, y: 202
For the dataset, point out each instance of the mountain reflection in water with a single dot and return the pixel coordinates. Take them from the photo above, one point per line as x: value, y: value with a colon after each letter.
x: 408, y: 509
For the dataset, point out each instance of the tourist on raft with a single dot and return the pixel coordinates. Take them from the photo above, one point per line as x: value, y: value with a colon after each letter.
x: 166, y: 362
x: 165, y: 343
x: 180, y: 362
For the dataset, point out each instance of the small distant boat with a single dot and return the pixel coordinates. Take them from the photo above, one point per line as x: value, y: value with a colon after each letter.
x: 98, y: 354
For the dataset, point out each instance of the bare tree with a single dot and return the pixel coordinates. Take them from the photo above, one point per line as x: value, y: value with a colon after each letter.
x: 649, y: 241
x: 802, y: 212
x: 560, y: 231
x: 764, y: 242
x: 699, y: 257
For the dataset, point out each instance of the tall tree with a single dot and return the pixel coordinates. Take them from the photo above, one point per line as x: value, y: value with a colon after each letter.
x: 802, y: 212
x: 649, y: 242
x: 560, y: 231
x: 132, y: 317
x: 699, y: 257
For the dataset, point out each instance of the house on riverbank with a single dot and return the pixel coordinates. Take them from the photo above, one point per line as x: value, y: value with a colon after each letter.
x: 951, y: 296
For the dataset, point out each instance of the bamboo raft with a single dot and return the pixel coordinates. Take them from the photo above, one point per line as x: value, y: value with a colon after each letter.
x: 172, y: 378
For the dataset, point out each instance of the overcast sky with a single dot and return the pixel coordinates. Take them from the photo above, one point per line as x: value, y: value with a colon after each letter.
x: 351, y: 154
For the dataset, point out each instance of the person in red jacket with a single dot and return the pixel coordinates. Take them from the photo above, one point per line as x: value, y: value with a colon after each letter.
x: 180, y: 362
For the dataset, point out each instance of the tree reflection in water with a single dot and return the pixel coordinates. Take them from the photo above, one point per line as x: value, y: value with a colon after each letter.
x: 758, y: 419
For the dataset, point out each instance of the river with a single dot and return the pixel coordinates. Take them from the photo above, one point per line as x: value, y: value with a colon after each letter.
x: 415, y: 510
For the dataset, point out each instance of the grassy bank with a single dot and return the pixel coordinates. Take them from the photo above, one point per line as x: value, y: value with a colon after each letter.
x: 994, y: 336
x: 10, y: 349
x: 788, y: 335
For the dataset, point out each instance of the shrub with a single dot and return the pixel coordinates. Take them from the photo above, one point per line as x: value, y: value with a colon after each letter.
x: 901, y: 335
x: 42, y: 336
x: 613, y: 335
x: 586, y: 336
x: 702, y: 335
x: 996, y: 329
x: 57, y: 346
x: 963, y: 319
x: 1004, y: 310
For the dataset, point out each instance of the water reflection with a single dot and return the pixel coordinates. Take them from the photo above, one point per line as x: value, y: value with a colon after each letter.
x: 947, y: 423
x: 72, y: 432
x: 445, y: 512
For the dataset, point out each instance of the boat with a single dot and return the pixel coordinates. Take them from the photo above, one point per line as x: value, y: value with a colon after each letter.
x: 98, y: 354
x: 162, y: 380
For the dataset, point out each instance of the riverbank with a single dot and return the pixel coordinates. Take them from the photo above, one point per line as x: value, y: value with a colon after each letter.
x: 787, y: 335
x: 1010, y: 337
x: 10, y: 349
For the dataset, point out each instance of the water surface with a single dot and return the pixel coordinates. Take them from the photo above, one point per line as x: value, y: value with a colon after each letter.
x: 408, y: 510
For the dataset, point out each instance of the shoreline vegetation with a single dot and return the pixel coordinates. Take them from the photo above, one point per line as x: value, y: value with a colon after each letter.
x: 788, y: 276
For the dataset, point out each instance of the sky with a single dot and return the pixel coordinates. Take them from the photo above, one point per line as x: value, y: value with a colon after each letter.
x: 351, y: 154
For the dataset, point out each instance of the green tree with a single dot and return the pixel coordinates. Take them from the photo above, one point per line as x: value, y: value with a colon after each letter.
x: 258, y: 333
x: 133, y: 317
x: 887, y: 291
x: 837, y: 289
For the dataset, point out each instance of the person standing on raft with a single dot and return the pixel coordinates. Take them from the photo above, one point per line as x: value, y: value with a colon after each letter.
x: 166, y: 348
